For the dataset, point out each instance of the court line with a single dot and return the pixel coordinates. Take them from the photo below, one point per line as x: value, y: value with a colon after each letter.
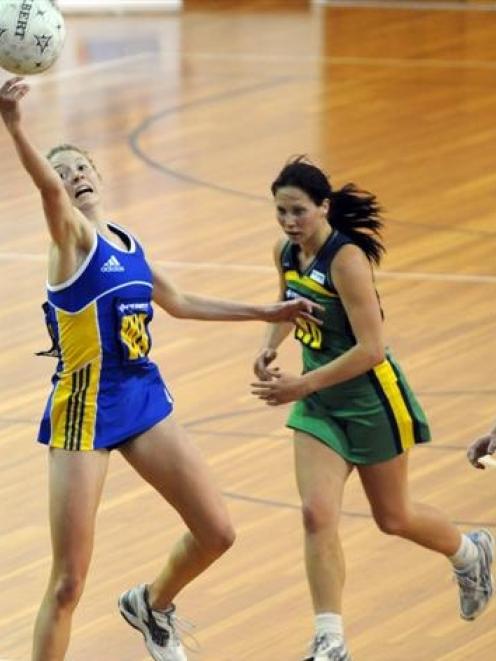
x: 134, y: 137
x: 266, y: 502
x: 399, y: 275
x: 85, y: 69
x: 255, y: 268
x: 134, y: 144
x: 271, y: 503
x: 407, y: 63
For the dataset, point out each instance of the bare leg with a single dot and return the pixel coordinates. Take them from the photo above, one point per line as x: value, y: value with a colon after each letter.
x: 76, y: 481
x: 321, y: 475
x: 166, y: 459
x: 387, y: 491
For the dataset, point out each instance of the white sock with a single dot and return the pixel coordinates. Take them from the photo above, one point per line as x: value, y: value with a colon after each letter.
x: 330, y: 623
x: 466, y: 555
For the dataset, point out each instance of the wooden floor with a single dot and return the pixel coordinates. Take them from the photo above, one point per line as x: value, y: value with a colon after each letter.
x: 189, y: 117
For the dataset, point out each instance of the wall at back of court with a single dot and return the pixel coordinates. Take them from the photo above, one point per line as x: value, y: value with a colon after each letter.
x: 92, y: 6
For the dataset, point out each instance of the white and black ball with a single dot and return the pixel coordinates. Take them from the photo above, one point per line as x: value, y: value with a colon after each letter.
x: 32, y: 34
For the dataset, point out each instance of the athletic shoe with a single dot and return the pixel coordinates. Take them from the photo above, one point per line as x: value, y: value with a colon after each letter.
x: 476, y: 582
x: 159, y: 628
x: 328, y: 647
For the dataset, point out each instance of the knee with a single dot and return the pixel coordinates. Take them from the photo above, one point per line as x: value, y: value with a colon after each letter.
x: 318, y: 516
x: 67, y: 590
x: 392, y: 523
x: 220, y: 540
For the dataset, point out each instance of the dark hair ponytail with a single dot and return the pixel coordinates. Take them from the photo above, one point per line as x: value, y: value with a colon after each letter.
x: 352, y: 211
x: 356, y: 213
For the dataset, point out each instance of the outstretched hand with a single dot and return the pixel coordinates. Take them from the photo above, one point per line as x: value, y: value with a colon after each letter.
x: 481, y: 447
x: 295, y: 310
x: 11, y: 92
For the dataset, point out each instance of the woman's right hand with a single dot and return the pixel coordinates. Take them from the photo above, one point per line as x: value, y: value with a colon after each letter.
x: 262, y: 362
x: 11, y: 92
x: 486, y: 445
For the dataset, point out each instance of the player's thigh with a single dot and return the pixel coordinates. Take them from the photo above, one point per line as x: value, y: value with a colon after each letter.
x: 321, y: 472
x: 386, y: 486
x: 75, y: 486
x: 168, y: 460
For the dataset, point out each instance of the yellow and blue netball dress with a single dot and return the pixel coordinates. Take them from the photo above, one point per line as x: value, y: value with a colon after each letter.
x: 105, y: 388
x: 370, y: 418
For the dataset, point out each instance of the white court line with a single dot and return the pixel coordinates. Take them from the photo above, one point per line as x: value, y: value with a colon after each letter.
x: 37, y: 81
x: 391, y: 62
x: 396, y: 63
x: 253, y: 268
x: 414, y: 5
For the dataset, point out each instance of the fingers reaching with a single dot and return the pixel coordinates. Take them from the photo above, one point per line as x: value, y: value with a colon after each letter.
x: 479, y: 449
x: 310, y: 317
x: 11, y: 85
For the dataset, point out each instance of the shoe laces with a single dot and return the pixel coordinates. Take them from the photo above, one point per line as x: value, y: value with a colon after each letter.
x: 468, y: 582
x: 185, y: 628
x: 160, y: 631
x: 179, y: 628
x: 323, y: 639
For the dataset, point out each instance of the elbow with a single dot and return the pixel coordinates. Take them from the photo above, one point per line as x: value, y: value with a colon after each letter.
x: 172, y: 310
x: 173, y: 306
x: 177, y: 312
x: 375, y: 356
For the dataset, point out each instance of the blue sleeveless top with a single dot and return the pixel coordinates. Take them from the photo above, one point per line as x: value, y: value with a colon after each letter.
x: 105, y: 389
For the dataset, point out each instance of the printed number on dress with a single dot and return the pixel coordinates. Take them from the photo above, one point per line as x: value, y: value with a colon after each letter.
x: 309, y: 334
x: 133, y: 329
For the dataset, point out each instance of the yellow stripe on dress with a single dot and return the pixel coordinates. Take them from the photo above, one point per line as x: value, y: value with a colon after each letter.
x: 74, y: 402
x: 306, y: 281
x: 389, y: 384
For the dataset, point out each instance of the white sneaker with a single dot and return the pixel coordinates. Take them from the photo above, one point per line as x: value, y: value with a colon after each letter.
x: 157, y: 627
x: 328, y: 647
x: 476, y: 582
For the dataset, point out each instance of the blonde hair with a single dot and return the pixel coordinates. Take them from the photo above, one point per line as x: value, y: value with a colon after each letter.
x: 69, y: 147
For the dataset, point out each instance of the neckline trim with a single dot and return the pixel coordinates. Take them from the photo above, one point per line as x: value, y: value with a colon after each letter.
x: 118, y: 230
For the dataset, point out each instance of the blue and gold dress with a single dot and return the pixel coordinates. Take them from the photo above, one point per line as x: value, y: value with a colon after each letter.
x: 105, y: 388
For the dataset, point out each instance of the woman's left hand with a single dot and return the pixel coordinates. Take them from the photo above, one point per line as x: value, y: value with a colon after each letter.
x: 281, y: 389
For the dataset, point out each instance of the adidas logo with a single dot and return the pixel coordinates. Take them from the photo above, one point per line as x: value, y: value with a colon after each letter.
x: 112, y: 265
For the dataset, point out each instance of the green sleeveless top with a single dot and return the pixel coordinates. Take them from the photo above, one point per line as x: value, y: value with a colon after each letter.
x: 320, y: 344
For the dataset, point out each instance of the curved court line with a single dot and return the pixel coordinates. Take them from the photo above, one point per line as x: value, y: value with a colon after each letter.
x: 134, y: 136
x: 134, y: 143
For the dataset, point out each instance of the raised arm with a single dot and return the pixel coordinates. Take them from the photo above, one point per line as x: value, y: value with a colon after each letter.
x: 190, y: 306
x: 64, y: 222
